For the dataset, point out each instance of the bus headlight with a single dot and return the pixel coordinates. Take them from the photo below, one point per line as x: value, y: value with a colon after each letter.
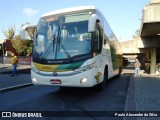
x: 83, y: 80
x: 85, y: 68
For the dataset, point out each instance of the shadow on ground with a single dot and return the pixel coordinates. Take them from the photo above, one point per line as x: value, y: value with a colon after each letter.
x: 20, y: 71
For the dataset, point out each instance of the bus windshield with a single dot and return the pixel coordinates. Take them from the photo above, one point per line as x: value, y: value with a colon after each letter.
x: 62, y: 36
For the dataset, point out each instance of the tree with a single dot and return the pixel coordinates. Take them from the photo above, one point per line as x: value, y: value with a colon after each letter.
x: 29, y: 47
x: 23, y: 47
x: 31, y: 33
x: 18, y: 45
x: 137, y: 33
x: 9, y: 32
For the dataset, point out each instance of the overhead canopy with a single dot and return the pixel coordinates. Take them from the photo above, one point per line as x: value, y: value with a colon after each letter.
x: 150, y: 25
x: 150, y: 29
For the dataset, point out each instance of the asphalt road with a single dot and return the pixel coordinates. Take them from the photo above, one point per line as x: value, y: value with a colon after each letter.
x: 49, y: 98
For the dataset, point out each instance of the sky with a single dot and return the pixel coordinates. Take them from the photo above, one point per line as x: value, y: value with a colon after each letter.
x: 124, y: 16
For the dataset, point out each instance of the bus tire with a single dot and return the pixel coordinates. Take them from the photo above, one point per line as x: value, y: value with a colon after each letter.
x: 101, y: 86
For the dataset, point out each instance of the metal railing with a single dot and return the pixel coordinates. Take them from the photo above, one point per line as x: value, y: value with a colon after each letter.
x: 22, y: 60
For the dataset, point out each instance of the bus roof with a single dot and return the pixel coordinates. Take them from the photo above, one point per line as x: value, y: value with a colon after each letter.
x: 67, y: 10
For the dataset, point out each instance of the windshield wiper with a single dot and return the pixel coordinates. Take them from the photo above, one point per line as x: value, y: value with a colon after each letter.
x: 65, y: 50
x: 59, y: 43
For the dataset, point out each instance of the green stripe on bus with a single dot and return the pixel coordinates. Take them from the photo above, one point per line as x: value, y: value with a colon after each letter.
x: 69, y: 66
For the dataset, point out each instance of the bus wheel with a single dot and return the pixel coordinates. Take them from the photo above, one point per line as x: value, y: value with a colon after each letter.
x: 101, y: 86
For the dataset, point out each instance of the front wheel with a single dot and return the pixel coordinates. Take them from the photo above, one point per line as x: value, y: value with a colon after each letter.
x: 101, y: 86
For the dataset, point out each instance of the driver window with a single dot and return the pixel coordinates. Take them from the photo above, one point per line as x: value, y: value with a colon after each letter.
x: 98, y: 37
x: 96, y: 40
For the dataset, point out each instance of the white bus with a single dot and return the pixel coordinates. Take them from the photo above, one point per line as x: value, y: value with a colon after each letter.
x: 75, y: 47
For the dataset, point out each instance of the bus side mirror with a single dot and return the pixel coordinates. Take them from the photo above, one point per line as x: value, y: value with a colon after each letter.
x: 96, y: 46
x: 92, y: 22
x: 27, y: 32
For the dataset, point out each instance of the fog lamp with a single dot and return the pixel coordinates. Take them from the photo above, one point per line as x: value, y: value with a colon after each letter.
x: 83, y: 80
x: 34, y: 80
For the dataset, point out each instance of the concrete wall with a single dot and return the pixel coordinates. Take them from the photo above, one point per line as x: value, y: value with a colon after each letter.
x: 154, y: 1
x: 149, y: 42
x: 130, y: 47
x: 151, y: 13
x: 140, y: 45
x: 1, y: 41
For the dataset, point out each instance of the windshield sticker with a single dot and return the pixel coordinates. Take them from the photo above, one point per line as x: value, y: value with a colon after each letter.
x: 50, y: 19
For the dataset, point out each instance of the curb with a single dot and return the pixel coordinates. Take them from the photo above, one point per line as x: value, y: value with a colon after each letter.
x: 128, y: 93
x: 20, y: 71
x: 15, y: 87
x: 130, y: 103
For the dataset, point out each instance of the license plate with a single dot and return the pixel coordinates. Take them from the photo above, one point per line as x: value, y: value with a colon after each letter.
x: 57, y: 81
